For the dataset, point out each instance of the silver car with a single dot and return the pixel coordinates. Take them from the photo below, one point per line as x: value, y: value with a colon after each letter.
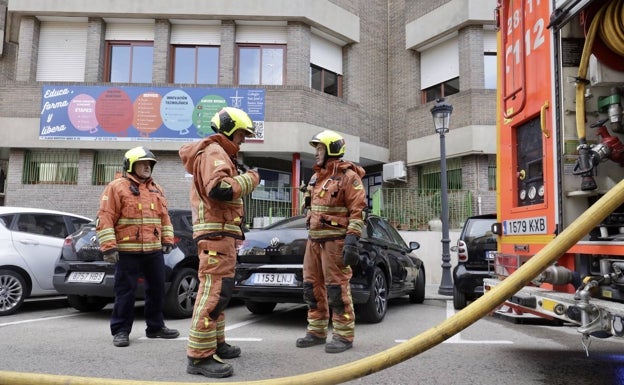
x: 30, y: 243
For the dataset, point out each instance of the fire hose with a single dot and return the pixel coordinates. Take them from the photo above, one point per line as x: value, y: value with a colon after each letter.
x: 412, y: 347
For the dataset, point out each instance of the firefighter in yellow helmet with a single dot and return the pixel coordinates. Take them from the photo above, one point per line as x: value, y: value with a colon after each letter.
x: 335, y: 199
x: 134, y: 230
x: 217, y: 204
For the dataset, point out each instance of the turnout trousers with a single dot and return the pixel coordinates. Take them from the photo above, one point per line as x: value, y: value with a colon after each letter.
x: 217, y: 260
x: 326, y: 286
x: 127, y: 272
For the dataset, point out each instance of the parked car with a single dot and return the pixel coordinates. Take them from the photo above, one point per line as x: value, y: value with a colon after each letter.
x: 473, y: 248
x: 269, y: 269
x: 88, y: 281
x: 30, y: 242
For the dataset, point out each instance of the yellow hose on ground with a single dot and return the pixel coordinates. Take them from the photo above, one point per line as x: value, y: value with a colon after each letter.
x: 412, y: 347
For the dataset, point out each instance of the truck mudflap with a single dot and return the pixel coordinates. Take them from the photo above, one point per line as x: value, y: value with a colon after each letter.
x: 594, y: 317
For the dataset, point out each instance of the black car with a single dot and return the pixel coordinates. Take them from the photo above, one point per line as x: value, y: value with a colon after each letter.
x: 269, y: 269
x: 473, y: 248
x: 88, y: 281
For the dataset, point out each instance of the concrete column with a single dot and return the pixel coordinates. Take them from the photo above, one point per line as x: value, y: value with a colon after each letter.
x: 28, y: 49
x: 298, y: 55
x: 96, y: 50
x: 162, y: 48
x: 227, y: 53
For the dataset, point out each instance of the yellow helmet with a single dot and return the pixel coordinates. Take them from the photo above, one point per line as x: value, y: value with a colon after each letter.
x: 230, y: 119
x: 137, y: 154
x: 333, y: 142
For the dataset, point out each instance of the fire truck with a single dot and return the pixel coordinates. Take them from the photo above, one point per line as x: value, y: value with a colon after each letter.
x: 560, y: 132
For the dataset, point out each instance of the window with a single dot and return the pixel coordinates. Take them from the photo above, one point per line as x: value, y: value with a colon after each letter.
x: 261, y: 64
x: 51, y: 167
x: 492, y: 173
x: 195, y: 64
x: 489, y: 70
x: 440, y: 90
x: 130, y: 62
x: 325, y: 81
x: 106, y: 165
x: 430, y: 175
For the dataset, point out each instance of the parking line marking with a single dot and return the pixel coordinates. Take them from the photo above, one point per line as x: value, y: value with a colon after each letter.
x: 38, y: 319
x: 456, y: 339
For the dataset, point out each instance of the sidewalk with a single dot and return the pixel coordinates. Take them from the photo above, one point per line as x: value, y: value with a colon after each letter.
x: 431, y: 292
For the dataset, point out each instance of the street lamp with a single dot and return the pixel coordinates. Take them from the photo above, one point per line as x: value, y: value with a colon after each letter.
x: 441, y: 113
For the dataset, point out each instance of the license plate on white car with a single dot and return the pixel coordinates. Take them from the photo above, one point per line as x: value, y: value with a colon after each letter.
x: 88, y: 277
x: 273, y: 279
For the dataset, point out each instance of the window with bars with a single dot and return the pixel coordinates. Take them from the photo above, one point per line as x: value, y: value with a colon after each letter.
x: 492, y: 173
x: 50, y: 167
x: 106, y: 164
x: 430, y: 175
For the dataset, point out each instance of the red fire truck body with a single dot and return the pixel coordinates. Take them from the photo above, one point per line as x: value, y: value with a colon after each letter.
x: 559, y: 130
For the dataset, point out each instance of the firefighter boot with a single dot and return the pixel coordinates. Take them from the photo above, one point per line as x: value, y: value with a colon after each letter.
x: 225, y: 350
x: 338, y: 345
x: 211, y: 366
x: 310, y: 340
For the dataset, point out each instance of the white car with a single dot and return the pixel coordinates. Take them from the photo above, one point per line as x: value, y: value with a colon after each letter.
x: 30, y: 243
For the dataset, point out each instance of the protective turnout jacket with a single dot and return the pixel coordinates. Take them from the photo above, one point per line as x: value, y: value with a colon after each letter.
x: 337, y: 200
x: 218, y: 188
x: 133, y: 217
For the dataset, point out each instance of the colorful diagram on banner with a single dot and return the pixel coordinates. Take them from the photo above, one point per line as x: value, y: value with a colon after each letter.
x: 204, y: 111
x: 81, y: 113
x: 147, y: 113
x: 113, y: 110
x: 176, y: 110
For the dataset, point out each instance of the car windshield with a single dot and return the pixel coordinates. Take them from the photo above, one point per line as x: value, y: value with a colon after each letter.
x: 298, y: 222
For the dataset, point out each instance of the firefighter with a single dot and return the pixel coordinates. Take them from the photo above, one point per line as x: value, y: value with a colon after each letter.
x: 134, y: 230
x: 335, y: 200
x: 217, y: 204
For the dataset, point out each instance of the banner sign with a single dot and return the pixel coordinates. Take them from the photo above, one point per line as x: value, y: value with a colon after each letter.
x: 108, y: 113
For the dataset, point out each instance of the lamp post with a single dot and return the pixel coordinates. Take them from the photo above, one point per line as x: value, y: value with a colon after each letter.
x: 441, y: 113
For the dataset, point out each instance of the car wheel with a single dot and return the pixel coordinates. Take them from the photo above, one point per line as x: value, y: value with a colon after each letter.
x: 418, y: 295
x: 260, y: 307
x: 180, y: 299
x: 12, y: 291
x: 86, y: 303
x: 374, y: 310
x: 459, y: 299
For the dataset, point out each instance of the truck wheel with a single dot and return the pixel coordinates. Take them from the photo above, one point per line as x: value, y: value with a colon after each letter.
x: 180, y: 299
x: 87, y: 304
x: 459, y: 299
x: 374, y: 310
x: 13, y: 291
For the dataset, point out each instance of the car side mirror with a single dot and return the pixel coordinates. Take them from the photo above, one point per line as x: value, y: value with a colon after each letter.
x: 414, y: 245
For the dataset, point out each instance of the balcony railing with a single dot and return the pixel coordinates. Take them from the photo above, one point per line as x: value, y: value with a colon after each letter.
x: 406, y: 209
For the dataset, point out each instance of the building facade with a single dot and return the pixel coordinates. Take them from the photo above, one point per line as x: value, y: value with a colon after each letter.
x: 369, y: 70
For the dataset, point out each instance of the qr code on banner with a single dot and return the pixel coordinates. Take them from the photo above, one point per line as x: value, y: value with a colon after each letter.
x: 259, y: 128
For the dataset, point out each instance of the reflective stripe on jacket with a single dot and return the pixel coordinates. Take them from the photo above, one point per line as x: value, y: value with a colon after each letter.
x: 337, y: 200
x: 131, y: 222
x: 210, y: 162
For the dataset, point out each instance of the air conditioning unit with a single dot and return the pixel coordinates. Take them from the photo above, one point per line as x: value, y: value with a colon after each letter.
x: 394, y: 171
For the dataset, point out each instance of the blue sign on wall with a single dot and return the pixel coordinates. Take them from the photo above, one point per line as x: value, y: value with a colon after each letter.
x: 108, y: 113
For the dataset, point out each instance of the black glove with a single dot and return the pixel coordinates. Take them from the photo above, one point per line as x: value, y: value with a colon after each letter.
x: 350, y: 254
x: 166, y: 249
x: 111, y: 257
